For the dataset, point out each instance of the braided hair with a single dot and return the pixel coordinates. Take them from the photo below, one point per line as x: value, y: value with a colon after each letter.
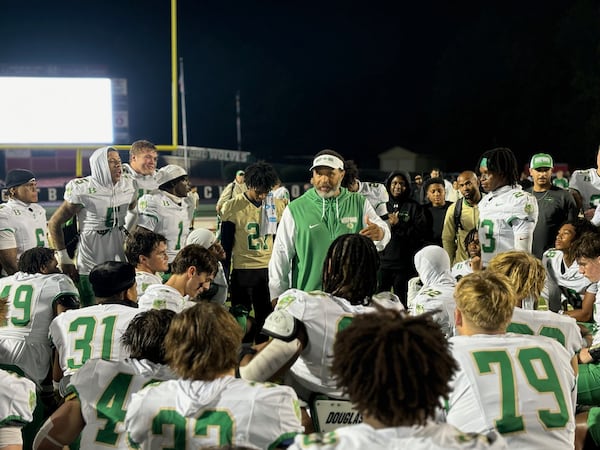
x: 394, y: 367
x: 503, y: 162
x: 350, y: 268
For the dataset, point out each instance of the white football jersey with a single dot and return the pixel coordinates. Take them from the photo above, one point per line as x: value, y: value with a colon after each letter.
x: 144, y: 184
x: 376, y: 194
x: 23, y: 226
x: 90, y: 332
x: 161, y: 296
x: 587, y: 183
x: 523, y: 386
x: 101, y: 220
x: 158, y: 212
x: 24, y: 339
x: 433, y: 436
x: 323, y: 315
x: 282, y: 193
x: 437, y: 293
x: 460, y: 269
x: 500, y: 212
x: 569, y: 277
x: 440, y: 298
x: 196, y: 414
x: 104, y: 390
x: 562, y: 328
x: 17, y: 399
x: 144, y: 280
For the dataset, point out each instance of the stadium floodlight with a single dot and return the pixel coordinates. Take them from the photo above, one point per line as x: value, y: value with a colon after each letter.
x: 55, y: 110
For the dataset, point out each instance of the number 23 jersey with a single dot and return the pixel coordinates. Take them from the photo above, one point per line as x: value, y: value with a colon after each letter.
x: 523, y: 386
x: 199, y: 414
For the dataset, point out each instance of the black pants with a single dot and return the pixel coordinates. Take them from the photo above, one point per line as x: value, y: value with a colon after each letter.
x: 250, y: 288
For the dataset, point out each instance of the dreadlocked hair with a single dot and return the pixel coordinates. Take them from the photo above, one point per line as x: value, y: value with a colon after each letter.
x: 502, y: 161
x: 470, y: 237
x: 394, y: 367
x: 350, y: 268
x: 261, y: 175
x: 35, y: 259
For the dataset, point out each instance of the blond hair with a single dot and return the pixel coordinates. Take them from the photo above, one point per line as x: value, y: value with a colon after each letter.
x: 525, y: 271
x: 486, y: 299
x: 203, y: 342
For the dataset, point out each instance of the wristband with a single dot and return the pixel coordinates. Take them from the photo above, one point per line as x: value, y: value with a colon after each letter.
x: 62, y: 256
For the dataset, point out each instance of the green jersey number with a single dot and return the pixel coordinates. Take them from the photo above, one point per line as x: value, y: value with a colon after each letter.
x: 111, y: 220
x: 255, y: 242
x: 178, y: 245
x: 40, y: 237
x: 498, y: 362
x: 490, y: 245
x: 85, y: 343
x: 110, y: 407
x: 594, y: 200
x: 219, y: 422
x: 551, y: 332
x: 21, y: 302
x: 343, y: 322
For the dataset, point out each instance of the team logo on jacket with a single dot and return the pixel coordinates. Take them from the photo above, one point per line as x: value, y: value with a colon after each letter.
x: 350, y: 222
x: 528, y: 208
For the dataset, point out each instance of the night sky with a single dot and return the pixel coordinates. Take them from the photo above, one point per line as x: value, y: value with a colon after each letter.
x: 445, y: 78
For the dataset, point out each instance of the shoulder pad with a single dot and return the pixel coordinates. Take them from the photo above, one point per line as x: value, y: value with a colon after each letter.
x: 280, y: 324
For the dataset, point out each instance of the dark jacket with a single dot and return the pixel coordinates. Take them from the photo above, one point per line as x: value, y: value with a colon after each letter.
x: 410, y: 233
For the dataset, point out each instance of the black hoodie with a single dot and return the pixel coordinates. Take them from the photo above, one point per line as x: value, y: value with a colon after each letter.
x: 412, y: 231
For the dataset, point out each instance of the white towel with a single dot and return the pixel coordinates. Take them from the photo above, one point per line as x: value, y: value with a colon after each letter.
x: 268, y: 221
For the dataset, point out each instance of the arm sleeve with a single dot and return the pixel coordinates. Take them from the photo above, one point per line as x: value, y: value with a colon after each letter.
x: 284, y: 250
x: 523, y: 231
x: 384, y: 197
x: 369, y: 212
x: 227, y: 240
x: 449, y: 233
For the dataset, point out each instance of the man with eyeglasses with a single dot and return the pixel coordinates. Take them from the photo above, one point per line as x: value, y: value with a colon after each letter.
x: 100, y: 202
x: 22, y: 220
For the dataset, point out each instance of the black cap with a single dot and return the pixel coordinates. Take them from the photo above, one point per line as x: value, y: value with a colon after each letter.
x: 110, y: 278
x: 17, y: 177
